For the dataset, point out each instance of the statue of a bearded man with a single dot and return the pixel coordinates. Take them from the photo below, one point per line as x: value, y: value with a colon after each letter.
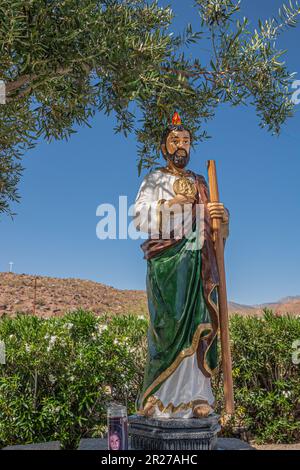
x: 182, y: 277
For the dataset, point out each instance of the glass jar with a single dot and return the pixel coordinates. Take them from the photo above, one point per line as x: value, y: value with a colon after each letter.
x: 117, y: 424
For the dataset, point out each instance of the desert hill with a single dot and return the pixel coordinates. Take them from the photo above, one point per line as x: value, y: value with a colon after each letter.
x: 55, y: 296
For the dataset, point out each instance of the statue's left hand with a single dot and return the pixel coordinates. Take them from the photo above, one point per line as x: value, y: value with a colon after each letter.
x: 217, y: 210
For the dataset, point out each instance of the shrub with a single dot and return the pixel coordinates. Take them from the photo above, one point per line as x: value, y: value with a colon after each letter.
x: 266, y: 382
x: 61, y: 372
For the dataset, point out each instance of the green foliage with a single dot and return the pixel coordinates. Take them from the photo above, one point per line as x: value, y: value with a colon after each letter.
x: 56, y: 382
x: 266, y: 382
x: 10, y: 172
x: 63, y: 61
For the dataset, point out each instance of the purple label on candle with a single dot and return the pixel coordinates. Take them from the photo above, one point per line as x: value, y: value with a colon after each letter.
x: 117, y: 433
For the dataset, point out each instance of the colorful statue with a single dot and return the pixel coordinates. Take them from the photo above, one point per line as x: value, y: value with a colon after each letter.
x: 182, y: 277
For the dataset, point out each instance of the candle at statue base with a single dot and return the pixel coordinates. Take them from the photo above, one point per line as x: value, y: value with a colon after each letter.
x: 117, y: 423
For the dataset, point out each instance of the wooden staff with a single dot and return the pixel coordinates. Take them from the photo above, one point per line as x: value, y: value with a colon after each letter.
x: 222, y: 295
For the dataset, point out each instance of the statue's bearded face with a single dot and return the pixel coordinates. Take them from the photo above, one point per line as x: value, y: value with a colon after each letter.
x: 177, y: 148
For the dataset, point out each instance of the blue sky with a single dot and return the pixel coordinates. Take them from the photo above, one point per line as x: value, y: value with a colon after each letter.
x: 54, y: 232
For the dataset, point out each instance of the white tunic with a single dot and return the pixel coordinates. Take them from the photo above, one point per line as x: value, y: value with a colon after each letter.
x: 187, y: 383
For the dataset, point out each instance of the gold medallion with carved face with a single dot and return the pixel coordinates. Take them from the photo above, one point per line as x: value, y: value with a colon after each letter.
x: 185, y: 187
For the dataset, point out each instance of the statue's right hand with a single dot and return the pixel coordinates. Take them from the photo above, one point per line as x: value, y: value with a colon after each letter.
x: 180, y: 199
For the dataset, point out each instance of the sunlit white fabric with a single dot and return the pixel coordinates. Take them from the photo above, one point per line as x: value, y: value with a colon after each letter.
x: 186, y: 384
x: 156, y: 186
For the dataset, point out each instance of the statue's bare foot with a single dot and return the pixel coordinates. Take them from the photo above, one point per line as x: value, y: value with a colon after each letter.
x: 149, y: 411
x: 202, y: 411
x: 149, y: 408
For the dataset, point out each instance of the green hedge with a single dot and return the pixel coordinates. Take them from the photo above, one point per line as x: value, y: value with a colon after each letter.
x: 61, y: 372
x: 266, y: 382
x: 55, y: 384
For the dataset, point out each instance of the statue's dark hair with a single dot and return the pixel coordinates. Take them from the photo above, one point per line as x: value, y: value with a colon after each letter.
x: 170, y: 128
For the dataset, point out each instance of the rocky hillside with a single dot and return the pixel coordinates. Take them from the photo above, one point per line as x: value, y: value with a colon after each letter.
x: 54, y: 296
x: 283, y: 306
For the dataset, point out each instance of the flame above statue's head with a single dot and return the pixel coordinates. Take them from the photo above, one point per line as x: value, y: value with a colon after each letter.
x: 176, y: 121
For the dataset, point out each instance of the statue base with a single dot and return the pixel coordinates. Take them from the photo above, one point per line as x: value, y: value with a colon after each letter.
x: 174, y: 433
